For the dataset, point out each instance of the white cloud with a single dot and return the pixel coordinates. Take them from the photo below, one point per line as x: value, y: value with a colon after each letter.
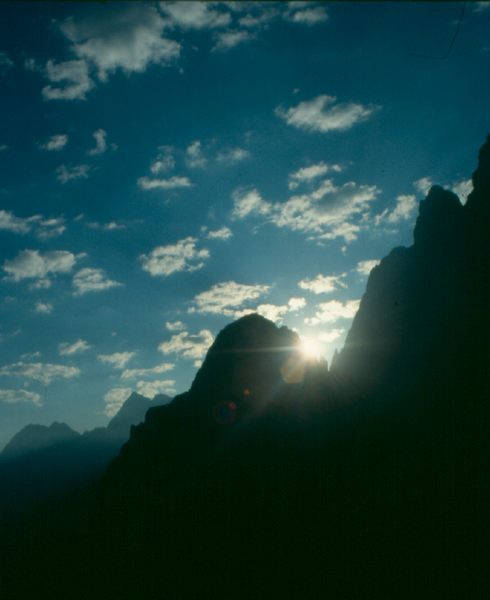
x: 67, y: 349
x: 326, y: 212
x: 43, y: 228
x: 150, y: 389
x: 118, y: 359
x: 74, y: 78
x: 194, y: 156
x: 308, y: 16
x: 463, y: 188
x: 71, y: 172
x: 225, y: 298
x: 100, y: 136
x: 330, y: 336
x: 224, y: 233
x: 273, y: 312
x: 364, y: 267
x: 175, y: 325
x: 114, y: 399
x: 330, y: 312
x: 225, y: 40
x: 55, y: 142
x: 181, y: 256
x: 9, y: 222
x: 134, y: 373
x: 164, y: 160
x: 186, y: 345
x: 146, y: 183
x: 43, y: 308
x: 323, y: 284
x: 45, y: 373
x: 296, y: 304
x: 31, y: 264
x: 308, y: 174
x: 127, y: 37
x: 231, y: 156
x: 405, y: 207
x: 50, y: 228
x: 15, y: 396
x: 323, y: 114
x: 195, y: 15
x: 92, y: 280
x: 423, y: 185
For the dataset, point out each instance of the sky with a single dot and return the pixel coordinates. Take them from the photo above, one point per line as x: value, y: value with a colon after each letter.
x: 166, y: 168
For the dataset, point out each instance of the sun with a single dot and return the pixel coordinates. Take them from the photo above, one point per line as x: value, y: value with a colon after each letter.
x: 310, y: 349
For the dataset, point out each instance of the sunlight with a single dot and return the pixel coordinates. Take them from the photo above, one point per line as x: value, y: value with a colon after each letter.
x: 310, y: 349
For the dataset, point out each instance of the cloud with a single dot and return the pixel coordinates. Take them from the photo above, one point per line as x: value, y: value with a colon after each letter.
x: 43, y: 308
x: 114, y: 399
x: 43, y: 228
x: 194, y: 156
x: 463, y: 188
x: 364, y: 267
x: 164, y: 161
x: 67, y: 349
x: 225, y: 298
x: 323, y: 114
x: 5, y: 62
x: 45, y: 373
x: 134, y: 373
x: 273, y: 312
x: 231, y: 156
x: 3, y: 147
x: 186, y: 345
x: 128, y: 37
x: 481, y: 6
x: 146, y: 183
x: 325, y: 213
x: 174, y: 326
x: 330, y: 336
x: 100, y: 136
x: 330, y: 312
x: 308, y: 174
x: 323, y: 284
x: 49, y: 228
x: 31, y: 264
x: 16, y: 396
x: 423, y: 185
x: 307, y: 15
x: 9, y: 222
x: 181, y: 256
x: 74, y: 78
x: 224, y: 233
x: 118, y: 359
x: 225, y: 40
x: 405, y: 207
x: 72, y: 172
x: 150, y: 389
x: 111, y: 226
x: 55, y: 143
x: 92, y: 280
x: 194, y: 15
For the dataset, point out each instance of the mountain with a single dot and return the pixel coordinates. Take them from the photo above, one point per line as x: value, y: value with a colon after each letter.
x: 274, y: 477
x: 36, y: 437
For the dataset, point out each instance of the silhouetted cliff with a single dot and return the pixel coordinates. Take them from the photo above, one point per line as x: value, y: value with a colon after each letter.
x: 33, y: 438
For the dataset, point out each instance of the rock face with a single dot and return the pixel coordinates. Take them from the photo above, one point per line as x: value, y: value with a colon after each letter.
x: 33, y: 438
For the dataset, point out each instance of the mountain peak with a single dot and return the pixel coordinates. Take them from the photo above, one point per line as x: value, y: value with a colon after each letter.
x: 36, y: 437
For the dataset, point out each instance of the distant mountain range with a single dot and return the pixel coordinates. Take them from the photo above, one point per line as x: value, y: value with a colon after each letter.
x: 273, y: 477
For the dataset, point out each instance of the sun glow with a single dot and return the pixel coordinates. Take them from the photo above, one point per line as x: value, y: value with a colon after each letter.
x: 310, y: 349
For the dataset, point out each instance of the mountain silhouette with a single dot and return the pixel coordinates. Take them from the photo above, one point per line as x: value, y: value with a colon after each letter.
x: 274, y: 477
x: 36, y: 437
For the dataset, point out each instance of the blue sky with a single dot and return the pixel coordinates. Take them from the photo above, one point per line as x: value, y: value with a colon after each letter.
x: 168, y: 167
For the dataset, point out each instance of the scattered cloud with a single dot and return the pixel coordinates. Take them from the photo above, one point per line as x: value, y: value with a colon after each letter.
x: 5, y: 62
x: 274, y: 312
x: 72, y: 172
x: 423, y: 185
x: 43, y: 308
x: 16, y: 396
x: 323, y: 284
x: 308, y: 174
x: 330, y: 336
x: 31, y: 264
x: 182, y: 256
x: 146, y: 183
x: 225, y: 40
x: 224, y: 233
x: 128, y: 38
x: 174, y: 326
x: 73, y: 77
x: 164, y: 160
x: 330, y: 312
x: 45, y: 373
x: 9, y: 222
x: 304, y: 13
x: 186, y: 345
x: 150, y: 389
x: 50, y: 228
x: 118, y: 359
x: 100, y: 136
x: 114, y: 399
x: 43, y: 228
x: 226, y: 298
x: 194, y: 156
x: 324, y: 114
x: 67, y: 349
x: 405, y: 207
x: 92, y: 280
x: 247, y: 202
x: 158, y: 370
x: 55, y: 143
x: 364, y: 267
x: 463, y: 188
x: 195, y: 15
x: 231, y: 156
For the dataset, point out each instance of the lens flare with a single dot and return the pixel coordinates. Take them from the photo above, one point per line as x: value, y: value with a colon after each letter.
x: 310, y: 349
